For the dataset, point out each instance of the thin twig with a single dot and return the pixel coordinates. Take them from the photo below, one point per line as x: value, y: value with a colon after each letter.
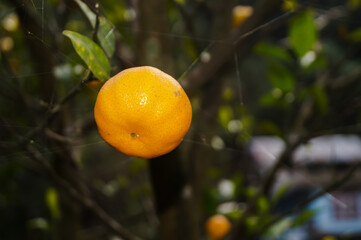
x: 330, y: 188
x: 55, y: 109
x: 106, y: 219
x: 96, y: 27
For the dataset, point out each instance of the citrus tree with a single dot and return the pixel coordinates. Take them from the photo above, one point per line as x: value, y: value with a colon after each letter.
x: 131, y: 119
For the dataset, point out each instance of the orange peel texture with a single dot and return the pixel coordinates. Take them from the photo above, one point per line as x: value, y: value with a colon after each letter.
x: 143, y: 112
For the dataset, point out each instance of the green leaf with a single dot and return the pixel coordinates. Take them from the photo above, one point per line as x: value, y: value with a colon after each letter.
x: 302, y: 33
x: 235, y: 214
x: 52, y: 201
x: 87, y: 11
x: 106, y: 36
x: 280, y: 193
x: 105, y: 32
x: 267, y: 49
x: 91, y: 54
x: 263, y: 205
x: 355, y: 36
x: 138, y: 165
x: 250, y: 192
x: 320, y: 98
x: 225, y: 114
x: 304, y: 217
x: 270, y: 128
x: 280, y: 76
x: 279, y: 228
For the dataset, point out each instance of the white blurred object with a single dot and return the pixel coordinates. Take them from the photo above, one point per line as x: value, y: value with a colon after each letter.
x: 226, y: 188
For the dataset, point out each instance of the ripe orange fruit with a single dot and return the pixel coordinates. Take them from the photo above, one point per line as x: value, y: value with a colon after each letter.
x: 143, y: 112
x: 240, y: 13
x: 217, y: 226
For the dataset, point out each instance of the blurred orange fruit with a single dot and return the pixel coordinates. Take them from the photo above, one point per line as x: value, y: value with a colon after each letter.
x: 217, y: 226
x: 143, y: 112
x: 239, y: 14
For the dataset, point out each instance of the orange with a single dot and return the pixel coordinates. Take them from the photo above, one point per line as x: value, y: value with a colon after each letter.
x: 143, y: 112
x: 240, y: 13
x: 217, y: 226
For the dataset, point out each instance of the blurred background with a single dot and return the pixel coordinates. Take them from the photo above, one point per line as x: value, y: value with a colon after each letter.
x: 274, y: 143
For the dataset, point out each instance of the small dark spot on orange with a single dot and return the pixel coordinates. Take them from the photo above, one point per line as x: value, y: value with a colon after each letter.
x: 134, y: 135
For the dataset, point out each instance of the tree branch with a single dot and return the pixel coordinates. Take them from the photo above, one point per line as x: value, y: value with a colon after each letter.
x: 330, y: 188
x: 107, y: 220
x: 221, y: 52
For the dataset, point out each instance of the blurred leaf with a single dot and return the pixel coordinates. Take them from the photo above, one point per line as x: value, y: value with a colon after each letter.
x: 355, y: 36
x: 52, y: 202
x: 225, y: 114
x: 190, y: 49
x: 91, y: 54
x: 281, y: 191
x: 38, y: 223
x: 210, y: 201
x: 88, y: 12
x: 353, y: 4
x: 252, y: 223
x: 270, y: 128
x: 105, y: 32
x: 213, y: 173
x: 238, y: 182
x: 250, y: 192
x: 138, y: 164
x: 320, y: 98
x: 303, y: 217
x: 236, y: 214
x: 302, y: 33
x: 279, y: 228
x: 280, y: 76
x: 180, y: 1
x: 272, y: 50
x: 263, y: 205
x: 319, y: 63
x: 289, y: 5
x: 247, y: 127
x: 228, y: 94
x: 123, y: 182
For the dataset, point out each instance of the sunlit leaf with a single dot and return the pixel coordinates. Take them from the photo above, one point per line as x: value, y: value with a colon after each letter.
x: 91, y: 54
x: 302, y: 33
x: 280, y: 76
x: 52, y: 202
x: 272, y: 50
x: 105, y: 32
